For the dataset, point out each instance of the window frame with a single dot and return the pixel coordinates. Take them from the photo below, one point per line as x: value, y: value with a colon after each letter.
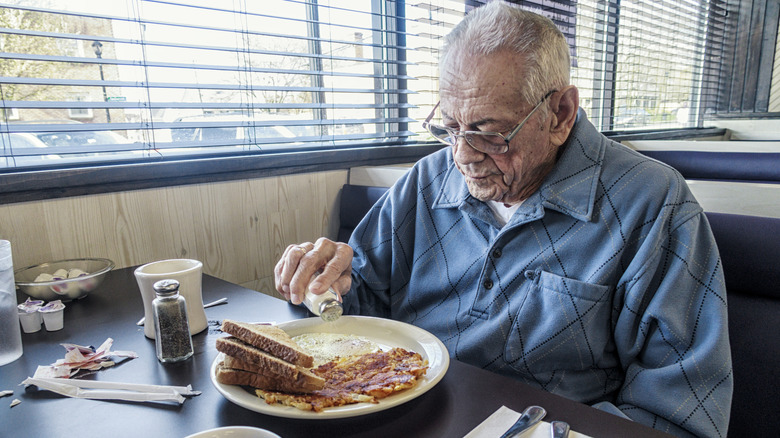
x: 38, y: 185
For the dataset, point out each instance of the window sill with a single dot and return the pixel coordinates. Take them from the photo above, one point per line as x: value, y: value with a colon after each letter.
x: 25, y: 186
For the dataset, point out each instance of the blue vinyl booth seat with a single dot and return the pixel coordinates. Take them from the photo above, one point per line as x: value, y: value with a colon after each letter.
x: 749, y: 247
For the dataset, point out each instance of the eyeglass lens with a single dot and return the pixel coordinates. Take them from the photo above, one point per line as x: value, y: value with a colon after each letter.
x: 490, y: 143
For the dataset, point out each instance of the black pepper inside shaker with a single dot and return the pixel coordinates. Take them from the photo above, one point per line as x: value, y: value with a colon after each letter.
x: 171, y: 328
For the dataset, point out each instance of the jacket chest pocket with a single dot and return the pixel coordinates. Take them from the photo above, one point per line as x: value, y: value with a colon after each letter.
x: 562, y: 324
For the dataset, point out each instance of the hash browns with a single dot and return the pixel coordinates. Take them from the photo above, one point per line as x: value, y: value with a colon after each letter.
x: 364, y: 378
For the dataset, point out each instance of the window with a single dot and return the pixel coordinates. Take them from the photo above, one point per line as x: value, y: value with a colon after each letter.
x: 10, y: 113
x: 80, y: 112
x: 169, y: 79
x: 156, y: 80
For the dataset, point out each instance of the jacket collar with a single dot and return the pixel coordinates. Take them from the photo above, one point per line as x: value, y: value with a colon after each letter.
x: 570, y: 188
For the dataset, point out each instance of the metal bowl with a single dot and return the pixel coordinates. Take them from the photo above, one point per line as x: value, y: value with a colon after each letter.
x: 66, y: 289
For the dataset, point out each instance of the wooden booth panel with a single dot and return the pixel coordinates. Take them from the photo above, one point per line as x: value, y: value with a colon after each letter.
x: 238, y: 229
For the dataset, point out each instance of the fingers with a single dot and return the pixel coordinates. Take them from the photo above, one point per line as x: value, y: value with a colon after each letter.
x: 337, y: 272
x: 287, y: 265
x: 343, y: 284
x: 299, y: 263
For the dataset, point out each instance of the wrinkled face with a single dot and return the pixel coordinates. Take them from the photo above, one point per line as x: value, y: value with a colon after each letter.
x: 483, y: 94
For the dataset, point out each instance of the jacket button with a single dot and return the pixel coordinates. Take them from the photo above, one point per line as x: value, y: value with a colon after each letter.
x: 488, y: 284
x: 497, y: 253
x: 530, y: 275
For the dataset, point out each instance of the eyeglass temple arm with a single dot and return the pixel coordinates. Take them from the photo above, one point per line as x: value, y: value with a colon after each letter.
x: 430, y: 116
x: 511, y: 135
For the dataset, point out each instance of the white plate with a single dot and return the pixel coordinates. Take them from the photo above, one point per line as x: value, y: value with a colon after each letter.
x: 234, y: 432
x: 385, y: 332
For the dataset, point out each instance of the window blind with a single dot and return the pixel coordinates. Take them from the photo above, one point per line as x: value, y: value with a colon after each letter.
x: 639, y: 64
x: 85, y: 82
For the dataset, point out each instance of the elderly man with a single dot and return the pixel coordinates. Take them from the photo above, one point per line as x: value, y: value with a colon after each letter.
x: 537, y: 248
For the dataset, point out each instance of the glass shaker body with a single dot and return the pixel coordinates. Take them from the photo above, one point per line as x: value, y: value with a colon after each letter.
x: 10, y: 331
x: 173, y: 341
x: 326, y: 305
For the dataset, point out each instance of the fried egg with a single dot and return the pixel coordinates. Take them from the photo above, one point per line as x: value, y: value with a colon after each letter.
x: 325, y: 347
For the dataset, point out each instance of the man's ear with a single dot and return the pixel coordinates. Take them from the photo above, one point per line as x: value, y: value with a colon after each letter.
x: 564, y: 105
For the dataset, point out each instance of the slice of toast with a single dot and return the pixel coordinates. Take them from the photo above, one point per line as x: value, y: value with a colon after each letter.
x: 269, y: 338
x: 273, y: 366
x: 305, y: 379
x: 234, y: 376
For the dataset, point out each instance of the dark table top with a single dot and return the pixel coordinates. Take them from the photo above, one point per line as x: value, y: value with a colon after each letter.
x: 463, y: 399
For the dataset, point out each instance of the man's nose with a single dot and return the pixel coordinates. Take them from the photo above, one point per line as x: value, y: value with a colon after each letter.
x: 464, y: 153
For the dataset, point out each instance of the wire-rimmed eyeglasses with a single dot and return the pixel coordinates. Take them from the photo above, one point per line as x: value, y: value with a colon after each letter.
x: 494, y: 143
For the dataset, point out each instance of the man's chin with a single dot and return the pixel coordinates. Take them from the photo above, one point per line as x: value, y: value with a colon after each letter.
x: 485, y: 194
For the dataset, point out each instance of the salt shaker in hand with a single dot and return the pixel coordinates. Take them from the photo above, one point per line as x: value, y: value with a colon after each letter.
x: 326, y: 305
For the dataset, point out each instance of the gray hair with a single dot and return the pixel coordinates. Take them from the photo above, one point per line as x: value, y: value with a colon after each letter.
x: 502, y: 26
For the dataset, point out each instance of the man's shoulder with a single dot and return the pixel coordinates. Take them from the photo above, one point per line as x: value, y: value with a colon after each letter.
x: 437, y: 160
x: 623, y: 163
x: 589, y: 147
x: 646, y: 184
x: 431, y: 170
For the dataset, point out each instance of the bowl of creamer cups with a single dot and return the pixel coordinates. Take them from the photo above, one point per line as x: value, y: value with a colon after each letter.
x: 64, y: 280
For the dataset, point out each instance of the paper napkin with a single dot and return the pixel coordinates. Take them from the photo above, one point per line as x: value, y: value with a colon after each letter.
x: 500, y: 421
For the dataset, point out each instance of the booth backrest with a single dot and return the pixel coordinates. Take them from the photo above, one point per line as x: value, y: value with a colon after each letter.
x: 355, y: 203
x: 722, y: 166
x: 750, y: 251
x: 749, y: 247
x: 714, y: 160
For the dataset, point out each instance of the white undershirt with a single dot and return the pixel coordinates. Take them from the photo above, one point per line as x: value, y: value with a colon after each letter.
x: 502, y: 212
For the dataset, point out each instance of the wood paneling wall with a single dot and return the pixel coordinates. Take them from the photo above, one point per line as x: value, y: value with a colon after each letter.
x: 238, y: 229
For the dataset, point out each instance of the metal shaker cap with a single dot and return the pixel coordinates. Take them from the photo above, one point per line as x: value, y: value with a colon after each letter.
x: 166, y: 287
x: 331, y: 310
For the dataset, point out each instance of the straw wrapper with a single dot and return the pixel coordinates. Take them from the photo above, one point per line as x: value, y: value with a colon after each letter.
x: 79, y: 358
x: 100, y: 390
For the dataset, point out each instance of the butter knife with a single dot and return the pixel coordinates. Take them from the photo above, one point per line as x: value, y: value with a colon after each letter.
x: 531, y: 416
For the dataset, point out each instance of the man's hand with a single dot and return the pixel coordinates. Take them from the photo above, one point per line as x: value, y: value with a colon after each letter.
x: 300, y: 262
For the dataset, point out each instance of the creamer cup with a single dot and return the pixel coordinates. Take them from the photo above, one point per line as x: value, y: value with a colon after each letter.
x: 53, y: 315
x: 31, y: 321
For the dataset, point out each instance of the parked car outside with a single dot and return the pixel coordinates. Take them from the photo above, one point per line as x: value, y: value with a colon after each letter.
x: 238, y: 129
x: 228, y: 132
x: 631, y: 117
x: 25, y: 148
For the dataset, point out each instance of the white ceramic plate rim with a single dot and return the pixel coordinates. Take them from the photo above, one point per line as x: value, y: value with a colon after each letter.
x: 234, y: 431
x: 387, y: 333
